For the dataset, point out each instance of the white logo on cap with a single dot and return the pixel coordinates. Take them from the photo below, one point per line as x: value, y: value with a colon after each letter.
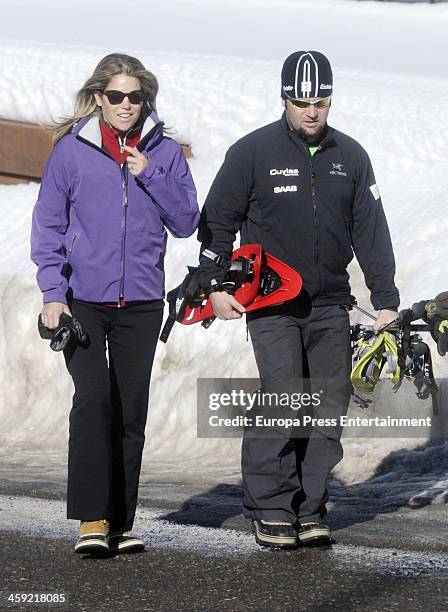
x: 306, y: 86
x: 327, y: 86
x: 287, y: 87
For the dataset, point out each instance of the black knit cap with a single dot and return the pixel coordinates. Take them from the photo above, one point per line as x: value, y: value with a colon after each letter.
x: 306, y: 74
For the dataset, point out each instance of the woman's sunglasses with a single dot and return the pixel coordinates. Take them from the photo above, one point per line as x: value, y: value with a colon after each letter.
x: 322, y: 103
x: 116, y: 97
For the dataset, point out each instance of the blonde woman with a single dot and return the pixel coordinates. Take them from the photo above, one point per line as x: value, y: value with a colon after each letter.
x: 112, y: 186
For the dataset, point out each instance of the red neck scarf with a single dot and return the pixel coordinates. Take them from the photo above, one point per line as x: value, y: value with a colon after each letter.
x: 113, y: 141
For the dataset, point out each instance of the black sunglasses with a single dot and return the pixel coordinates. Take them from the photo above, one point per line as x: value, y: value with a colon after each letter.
x: 116, y: 97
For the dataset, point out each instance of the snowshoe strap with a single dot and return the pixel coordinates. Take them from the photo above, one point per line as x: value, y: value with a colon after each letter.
x: 178, y: 298
x: 425, y: 383
x: 219, y: 260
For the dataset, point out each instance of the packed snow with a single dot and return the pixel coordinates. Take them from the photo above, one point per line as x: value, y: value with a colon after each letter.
x: 47, y: 519
x: 392, y: 102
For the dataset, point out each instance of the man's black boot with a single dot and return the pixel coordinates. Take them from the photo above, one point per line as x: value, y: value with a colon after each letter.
x: 314, y: 534
x: 275, y: 534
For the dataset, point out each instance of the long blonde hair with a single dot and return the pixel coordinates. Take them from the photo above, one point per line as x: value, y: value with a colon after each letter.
x: 109, y: 66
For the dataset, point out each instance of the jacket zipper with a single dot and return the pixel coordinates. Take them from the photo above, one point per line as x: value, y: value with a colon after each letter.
x: 313, y: 198
x: 124, y: 186
x: 72, y: 244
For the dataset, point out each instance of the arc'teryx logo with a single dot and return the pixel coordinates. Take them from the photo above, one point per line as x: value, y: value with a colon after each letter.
x: 284, y: 172
x: 337, y: 170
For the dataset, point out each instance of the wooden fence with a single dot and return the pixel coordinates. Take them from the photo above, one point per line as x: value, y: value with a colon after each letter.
x: 24, y: 149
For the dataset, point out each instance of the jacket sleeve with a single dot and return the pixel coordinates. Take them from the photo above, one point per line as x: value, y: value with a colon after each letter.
x: 49, y: 224
x: 371, y: 239
x: 173, y: 191
x: 223, y: 213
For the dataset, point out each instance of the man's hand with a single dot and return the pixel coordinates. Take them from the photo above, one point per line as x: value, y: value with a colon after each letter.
x: 136, y: 161
x: 51, y: 312
x: 384, y: 318
x: 225, y: 306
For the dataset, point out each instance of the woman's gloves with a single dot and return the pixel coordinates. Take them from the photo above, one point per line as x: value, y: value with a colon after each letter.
x: 69, y: 328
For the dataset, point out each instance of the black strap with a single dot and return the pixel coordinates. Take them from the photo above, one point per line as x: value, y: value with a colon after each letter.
x: 179, y: 298
x: 219, y: 260
x: 425, y: 382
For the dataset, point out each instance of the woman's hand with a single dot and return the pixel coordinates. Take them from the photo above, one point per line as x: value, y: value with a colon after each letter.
x: 51, y: 312
x: 136, y: 161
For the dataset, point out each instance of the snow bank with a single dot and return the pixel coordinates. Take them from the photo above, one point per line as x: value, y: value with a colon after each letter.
x: 390, y: 37
x: 211, y: 101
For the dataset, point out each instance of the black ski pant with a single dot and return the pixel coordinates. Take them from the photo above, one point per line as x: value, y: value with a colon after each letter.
x: 285, y: 477
x: 110, y: 405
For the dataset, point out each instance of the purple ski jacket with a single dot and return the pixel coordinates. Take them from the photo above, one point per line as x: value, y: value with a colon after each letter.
x: 98, y: 232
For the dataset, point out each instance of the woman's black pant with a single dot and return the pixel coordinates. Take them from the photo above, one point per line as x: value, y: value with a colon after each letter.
x: 110, y: 405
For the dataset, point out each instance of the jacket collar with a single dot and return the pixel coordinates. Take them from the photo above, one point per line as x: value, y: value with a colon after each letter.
x: 88, y: 130
x: 326, y: 141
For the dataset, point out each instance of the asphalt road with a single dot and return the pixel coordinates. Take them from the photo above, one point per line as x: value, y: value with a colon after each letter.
x: 201, y: 556
x: 174, y: 580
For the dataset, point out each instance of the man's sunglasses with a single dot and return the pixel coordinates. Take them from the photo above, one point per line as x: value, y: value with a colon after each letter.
x: 116, y: 97
x: 321, y: 103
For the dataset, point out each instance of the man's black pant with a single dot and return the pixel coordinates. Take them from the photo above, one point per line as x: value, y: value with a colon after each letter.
x: 285, y: 477
x: 110, y: 404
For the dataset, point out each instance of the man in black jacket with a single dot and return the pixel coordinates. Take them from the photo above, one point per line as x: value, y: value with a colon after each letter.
x: 307, y: 193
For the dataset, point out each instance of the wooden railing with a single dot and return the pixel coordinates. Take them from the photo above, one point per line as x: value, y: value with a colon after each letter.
x: 24, y: 149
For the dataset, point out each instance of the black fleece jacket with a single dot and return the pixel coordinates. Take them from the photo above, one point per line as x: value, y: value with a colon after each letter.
x: 312, y: 212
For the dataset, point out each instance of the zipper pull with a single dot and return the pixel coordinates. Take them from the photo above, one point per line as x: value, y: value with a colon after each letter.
x: 122, y: 143
x: 72, y: 244
x: 125, y: 193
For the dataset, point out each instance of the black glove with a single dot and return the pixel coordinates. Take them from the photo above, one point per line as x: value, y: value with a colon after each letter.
x: 439, y: 333
x: 68, y: 328
x: 439, y: 306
